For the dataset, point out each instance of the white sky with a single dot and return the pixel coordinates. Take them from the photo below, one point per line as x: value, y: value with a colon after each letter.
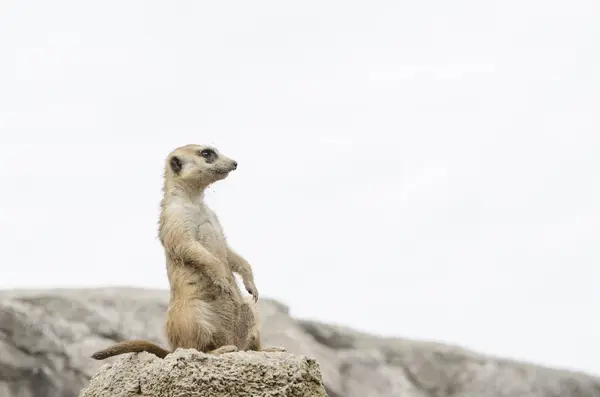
x: 420, y: 169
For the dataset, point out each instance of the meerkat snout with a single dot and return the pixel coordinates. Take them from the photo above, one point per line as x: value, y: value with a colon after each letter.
x: 230, y: 165
x: 226, y: 166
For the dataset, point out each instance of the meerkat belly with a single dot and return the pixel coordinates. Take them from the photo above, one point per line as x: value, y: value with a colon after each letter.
x: 185, y: 282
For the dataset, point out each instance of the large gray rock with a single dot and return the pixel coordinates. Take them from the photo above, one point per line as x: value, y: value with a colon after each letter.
x: 189, y: 373
x: 46, y: 338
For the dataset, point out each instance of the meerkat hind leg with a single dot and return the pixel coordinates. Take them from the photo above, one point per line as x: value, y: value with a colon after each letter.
x: 257, y: 346
x: 224, y: 349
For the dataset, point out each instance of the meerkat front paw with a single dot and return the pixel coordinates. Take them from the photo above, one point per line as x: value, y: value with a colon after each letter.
x: 252, y: 290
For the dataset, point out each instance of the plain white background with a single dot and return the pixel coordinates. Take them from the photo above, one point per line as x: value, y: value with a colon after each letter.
x: 418, y: 169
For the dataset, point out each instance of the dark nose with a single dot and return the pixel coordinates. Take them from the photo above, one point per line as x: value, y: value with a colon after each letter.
x: 234, y: 165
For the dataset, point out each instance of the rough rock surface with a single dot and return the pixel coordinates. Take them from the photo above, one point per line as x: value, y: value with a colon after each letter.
x: 189, y: 373
x: 47, y: 336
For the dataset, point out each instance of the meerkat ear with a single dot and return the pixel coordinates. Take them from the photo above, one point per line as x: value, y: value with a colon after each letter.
x: 176, y: 165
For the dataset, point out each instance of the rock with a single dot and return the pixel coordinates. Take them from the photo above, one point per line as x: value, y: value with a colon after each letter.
x: 189, y: 373
x: 394, y: 366
x: 47, y: 337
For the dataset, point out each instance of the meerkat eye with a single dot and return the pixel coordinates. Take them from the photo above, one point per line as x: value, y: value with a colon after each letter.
x: 207, y: 153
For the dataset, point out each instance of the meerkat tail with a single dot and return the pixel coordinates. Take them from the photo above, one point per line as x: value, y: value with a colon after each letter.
x: 130, y: 346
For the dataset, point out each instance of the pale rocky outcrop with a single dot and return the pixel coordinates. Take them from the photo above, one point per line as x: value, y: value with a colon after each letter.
x: 192, y: 374
x: 46, y: 338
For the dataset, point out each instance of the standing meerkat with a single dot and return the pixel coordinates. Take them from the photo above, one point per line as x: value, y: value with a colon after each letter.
x: 206, y: 310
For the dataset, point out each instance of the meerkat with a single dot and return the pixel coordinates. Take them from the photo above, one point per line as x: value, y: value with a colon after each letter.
x: 206, y: 309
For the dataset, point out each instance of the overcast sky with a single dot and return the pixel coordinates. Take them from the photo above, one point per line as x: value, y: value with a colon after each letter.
x: 419, y: 169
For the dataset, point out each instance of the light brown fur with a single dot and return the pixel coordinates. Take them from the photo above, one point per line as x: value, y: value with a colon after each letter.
x: 207, y: 311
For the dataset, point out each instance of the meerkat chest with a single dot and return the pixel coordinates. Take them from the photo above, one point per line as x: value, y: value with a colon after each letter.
x: 208, y: 224
x: 209, y: 231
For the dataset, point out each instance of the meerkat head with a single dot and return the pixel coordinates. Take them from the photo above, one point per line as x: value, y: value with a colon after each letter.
x: 198, y: 165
